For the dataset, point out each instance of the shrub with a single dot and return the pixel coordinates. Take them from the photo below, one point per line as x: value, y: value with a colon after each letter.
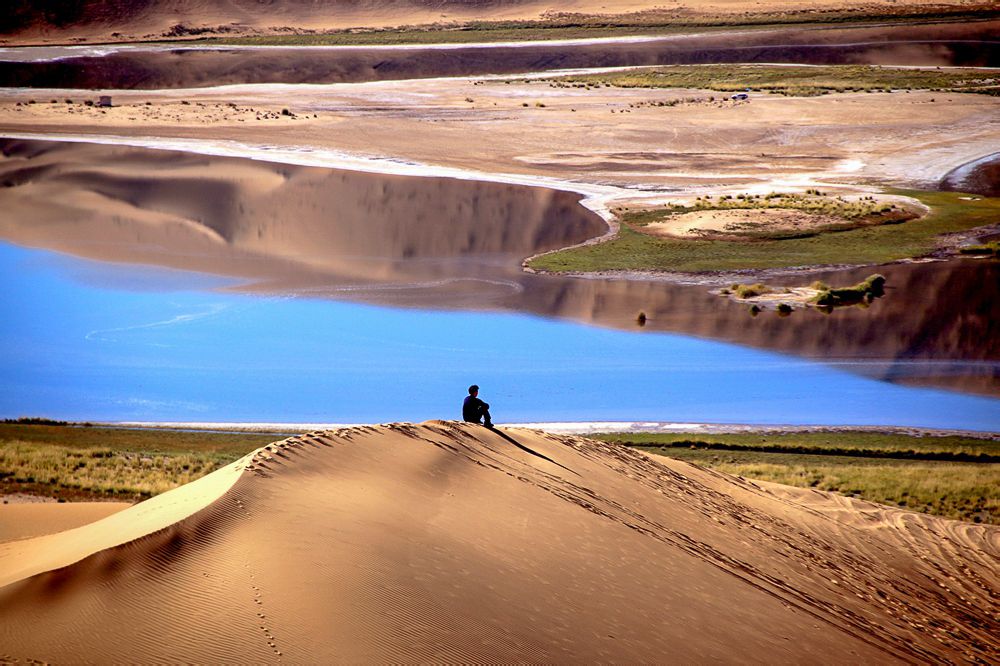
x: 750, y: 290
x: 863, y: 292
x: 986, y: 249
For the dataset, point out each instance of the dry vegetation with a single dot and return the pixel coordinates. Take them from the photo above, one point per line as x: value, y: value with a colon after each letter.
x: 955, y: 477
x: 818, y: 294
x: 77, y: 462
x: 798, y: 81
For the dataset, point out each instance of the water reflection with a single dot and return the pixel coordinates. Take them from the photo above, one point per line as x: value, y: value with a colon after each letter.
x: 444, y: 243
x: 981, y: 176
x: 971, y: 44
x: 81, y: 351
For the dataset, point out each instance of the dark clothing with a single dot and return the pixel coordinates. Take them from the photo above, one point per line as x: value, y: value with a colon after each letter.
x: 475, y: 410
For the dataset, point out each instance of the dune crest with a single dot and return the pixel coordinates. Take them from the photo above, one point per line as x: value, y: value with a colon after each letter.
x: 447, y: 541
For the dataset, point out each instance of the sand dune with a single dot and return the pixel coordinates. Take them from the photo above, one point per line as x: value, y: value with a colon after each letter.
x: 284, y: 225
x: 26, y: 519
x: 449, y: 542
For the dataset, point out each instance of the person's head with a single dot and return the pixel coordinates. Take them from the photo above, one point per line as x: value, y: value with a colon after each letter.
x: 473, y: 390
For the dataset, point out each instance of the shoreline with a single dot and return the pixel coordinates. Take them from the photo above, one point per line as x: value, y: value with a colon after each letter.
x: 596, y: 197
x: 559, y: 427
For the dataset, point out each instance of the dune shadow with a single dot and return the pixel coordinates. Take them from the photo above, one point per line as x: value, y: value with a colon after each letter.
x: 527, y: 450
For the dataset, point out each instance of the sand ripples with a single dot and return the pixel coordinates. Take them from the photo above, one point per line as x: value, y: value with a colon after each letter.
x: 450, y: 542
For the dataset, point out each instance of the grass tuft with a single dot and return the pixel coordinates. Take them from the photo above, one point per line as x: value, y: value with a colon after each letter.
x: 863, y: 292
x: 794, y: 81
x: 750, y: 290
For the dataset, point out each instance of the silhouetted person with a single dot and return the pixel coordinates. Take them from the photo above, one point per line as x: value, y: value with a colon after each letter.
x: 475, y: 410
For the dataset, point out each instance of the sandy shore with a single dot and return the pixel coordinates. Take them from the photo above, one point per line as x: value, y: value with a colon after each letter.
x: 444, y: 541
x: 593, y: 137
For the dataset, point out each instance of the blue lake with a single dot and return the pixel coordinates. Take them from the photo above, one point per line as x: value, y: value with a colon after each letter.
x: 92, y: 341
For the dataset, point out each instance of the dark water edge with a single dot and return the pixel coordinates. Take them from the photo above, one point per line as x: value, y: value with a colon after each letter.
x: 86, y: 350
x: 980, y: 176
x: 974, y: 44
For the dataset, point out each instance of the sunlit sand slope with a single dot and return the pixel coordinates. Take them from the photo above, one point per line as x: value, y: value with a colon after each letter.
x: 450, y: 542
x: 277, y: 223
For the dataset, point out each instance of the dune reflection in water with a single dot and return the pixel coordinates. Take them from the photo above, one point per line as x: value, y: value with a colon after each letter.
x: 446, y: 243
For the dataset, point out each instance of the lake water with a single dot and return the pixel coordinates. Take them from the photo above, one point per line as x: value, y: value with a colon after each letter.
x: 98, y: 341
x: 151, y: 67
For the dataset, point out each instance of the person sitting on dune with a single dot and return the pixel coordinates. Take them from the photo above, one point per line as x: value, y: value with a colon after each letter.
x: 475, y: 410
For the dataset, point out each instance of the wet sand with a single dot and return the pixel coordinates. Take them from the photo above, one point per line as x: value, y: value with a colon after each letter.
x: 971, y: 44
x: 357, y: 545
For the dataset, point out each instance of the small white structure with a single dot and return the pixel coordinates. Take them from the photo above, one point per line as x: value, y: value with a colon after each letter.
x: 105, y: 100
x: 739, y: 97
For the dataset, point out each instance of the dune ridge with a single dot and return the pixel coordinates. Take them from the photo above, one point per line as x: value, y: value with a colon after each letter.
x: 447, y: 541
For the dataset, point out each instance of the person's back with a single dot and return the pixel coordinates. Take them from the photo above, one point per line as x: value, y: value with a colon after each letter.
x: 475, y: 410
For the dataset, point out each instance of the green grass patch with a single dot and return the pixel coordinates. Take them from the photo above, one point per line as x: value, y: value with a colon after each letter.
x: 794, y: 81
x: 955, y: 477
x: 633, y: 250
x: 74, y: 462
x: 961, y: 491
x: 813, y: 201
